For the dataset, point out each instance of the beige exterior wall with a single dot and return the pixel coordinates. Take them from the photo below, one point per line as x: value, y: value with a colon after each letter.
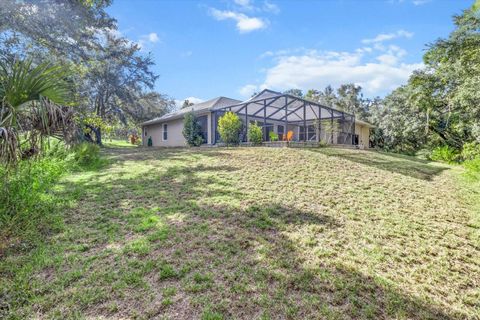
x: 174, y: 134
x: 174, y: 131
x: 363, y: 135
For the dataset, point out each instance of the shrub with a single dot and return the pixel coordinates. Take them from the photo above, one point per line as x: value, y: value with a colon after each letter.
x: 26, y: 206
x: 229, y: 126
x: 255, y: 134
x: 473, y: 167
x: 86, y: 154
x: 192, y: 130
x: 470, y: 151
x: 273, y: 136
x: 445, y: 153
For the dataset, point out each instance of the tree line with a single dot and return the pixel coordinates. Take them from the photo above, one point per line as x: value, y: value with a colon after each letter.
x: 438, y: 107
x: 109, y: 80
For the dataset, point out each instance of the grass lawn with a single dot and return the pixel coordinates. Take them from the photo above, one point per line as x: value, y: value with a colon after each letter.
x: 254, y: 233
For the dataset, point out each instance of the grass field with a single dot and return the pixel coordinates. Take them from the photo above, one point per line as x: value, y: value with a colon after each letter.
x: 254, y: 233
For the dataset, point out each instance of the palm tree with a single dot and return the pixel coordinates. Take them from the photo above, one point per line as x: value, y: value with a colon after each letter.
x: 31, y: 99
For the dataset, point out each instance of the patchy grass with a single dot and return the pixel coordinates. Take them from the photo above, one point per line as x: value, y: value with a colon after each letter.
x: 254, y: 233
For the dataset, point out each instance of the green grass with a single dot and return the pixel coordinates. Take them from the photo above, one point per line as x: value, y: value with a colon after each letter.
x: 117, y: 143
x: 254, y: 233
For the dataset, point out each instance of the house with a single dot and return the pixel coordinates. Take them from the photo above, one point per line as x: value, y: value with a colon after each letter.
x: 273, y: 111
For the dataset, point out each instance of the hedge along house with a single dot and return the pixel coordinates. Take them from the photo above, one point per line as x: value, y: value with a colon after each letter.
x: 275, y: 112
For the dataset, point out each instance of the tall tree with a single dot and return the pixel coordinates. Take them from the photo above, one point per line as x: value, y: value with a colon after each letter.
x: 441, y: 103
x: 186, y: 104
x: 294, y: 92
x: 62, y: 28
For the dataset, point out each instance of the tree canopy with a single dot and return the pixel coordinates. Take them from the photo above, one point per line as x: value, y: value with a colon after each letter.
x: 112, y: 79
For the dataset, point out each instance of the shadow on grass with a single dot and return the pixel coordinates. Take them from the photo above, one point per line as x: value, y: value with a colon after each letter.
x: 140, y: 153
x: 396, y: 163
x: 246, y: 249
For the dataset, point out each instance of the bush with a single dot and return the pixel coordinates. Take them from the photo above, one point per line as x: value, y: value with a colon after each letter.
x: 192, y: 130
x: 229, y: 126
x: 273, y: 136
x: 28, y: 207
x: 445, y: 153
x: 255, y: 134
x: 470, y: 151
x: 473, y: 167
x: 86, y: 155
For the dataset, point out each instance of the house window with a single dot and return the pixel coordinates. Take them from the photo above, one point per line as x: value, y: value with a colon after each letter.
x: 310, y: 134
x: 280, y: 131
x: 165, y: 133
x: 203, y: 122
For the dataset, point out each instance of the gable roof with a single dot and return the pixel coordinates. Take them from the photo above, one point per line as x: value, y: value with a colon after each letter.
x: 212, y: 104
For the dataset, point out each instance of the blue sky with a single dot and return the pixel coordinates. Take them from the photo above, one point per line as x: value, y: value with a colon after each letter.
x: 204, y: 49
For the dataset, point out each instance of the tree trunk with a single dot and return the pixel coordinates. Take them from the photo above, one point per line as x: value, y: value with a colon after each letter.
x: 98, y: 135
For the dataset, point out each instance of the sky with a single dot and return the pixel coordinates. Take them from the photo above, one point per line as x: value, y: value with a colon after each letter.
x: 233, y: 48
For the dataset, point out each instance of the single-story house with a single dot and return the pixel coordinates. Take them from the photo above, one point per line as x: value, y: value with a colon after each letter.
x: 273, y: 111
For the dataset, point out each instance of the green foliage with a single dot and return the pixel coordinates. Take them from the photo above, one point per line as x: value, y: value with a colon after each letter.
x: 25, y: 204
x: 445, y: 153
x: 87, y: 155
x: 470, y: 151
x: 29, y: 96
x: 229, y: 126
x: 28, y: 207
x: 273, y: 136
x: 473, y: 167
x: 255, y: 134
x: 198, y: 141
x: 440, y: 104
x: 192, y: 130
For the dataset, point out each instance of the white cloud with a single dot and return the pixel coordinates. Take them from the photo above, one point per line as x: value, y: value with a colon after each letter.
x: 148, y: 39
x: 246, y: 4
x: 388, y: 36
x: 377, y: 70
x: 248, y: 90
x: 270, y: 7
x: 153, y: 37
x: 193, y: 100
x: 420, y: 2
x: 244, y: 23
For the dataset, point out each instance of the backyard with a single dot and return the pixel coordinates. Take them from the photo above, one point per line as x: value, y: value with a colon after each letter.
x: 244, y: 233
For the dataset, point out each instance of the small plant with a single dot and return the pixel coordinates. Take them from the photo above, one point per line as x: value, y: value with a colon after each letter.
x: 86, y: 154
x: 166, y: 271
x: 255, y: 134
x: 470, y: 151
x: 473, y: 167
x: 192, y: 130
x: 445, y: 153
x: 273, y: 136
x: 229, y: 126
x: 134, y: 138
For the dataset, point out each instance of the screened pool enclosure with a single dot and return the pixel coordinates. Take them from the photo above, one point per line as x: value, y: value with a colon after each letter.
x: 290, y: 118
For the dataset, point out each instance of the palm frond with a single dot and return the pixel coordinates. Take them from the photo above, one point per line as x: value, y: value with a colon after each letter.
x: 30, y: 100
